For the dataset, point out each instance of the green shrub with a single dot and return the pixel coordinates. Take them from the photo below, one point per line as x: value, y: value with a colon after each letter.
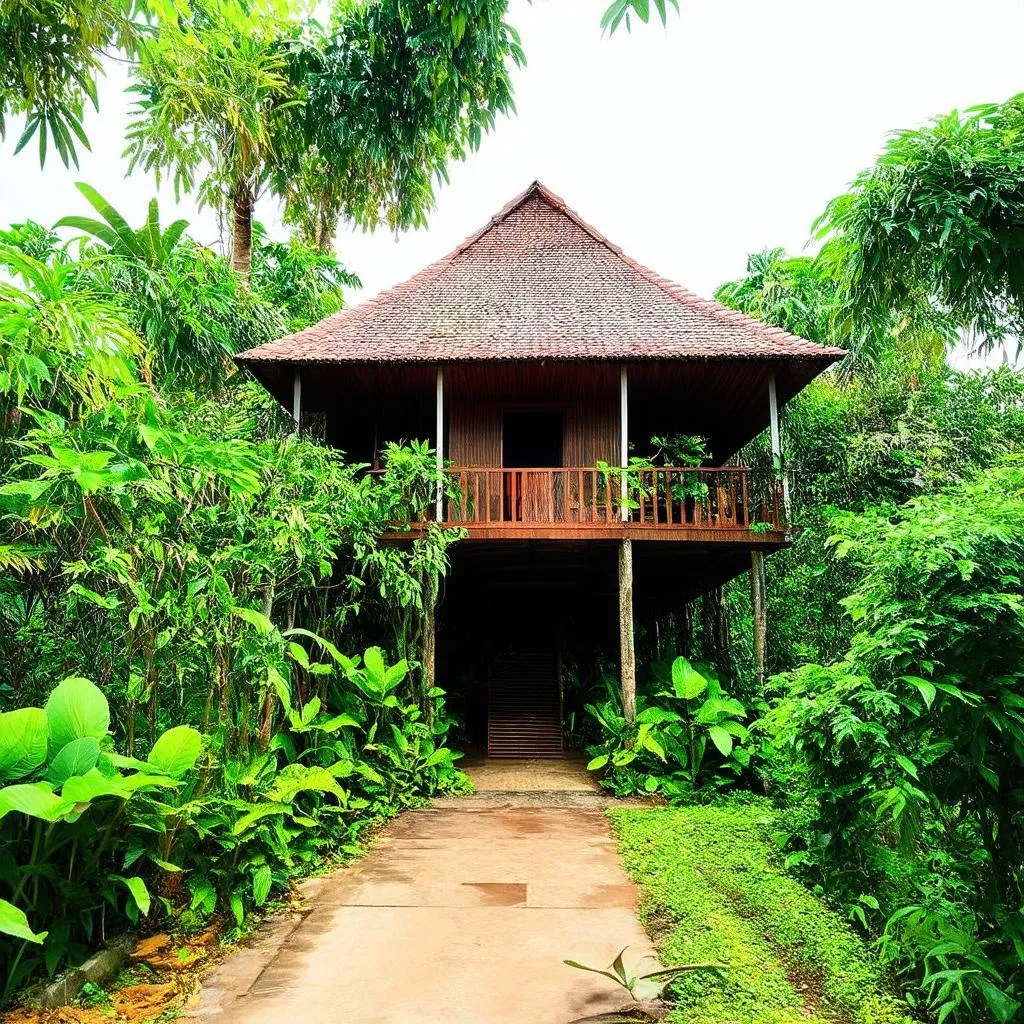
x: 69, y: 817
x: 667, y: 751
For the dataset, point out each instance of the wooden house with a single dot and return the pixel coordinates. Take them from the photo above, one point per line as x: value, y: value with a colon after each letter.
x: 534, y: 357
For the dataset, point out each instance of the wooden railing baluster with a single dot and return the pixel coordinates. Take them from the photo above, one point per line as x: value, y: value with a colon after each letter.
x: 708, y: 499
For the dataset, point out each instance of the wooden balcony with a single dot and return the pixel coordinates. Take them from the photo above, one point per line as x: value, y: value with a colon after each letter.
x: 663, y: 503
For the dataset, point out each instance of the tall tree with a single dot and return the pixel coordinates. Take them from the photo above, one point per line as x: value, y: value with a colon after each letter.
x: 806, y: 296
x: 394, y: 90
x: 51, y: 57
x: 210, y: 88
x: 355, y: 121
x: 939, y: 219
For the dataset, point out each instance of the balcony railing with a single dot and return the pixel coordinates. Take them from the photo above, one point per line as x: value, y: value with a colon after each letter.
x: 591, y: 500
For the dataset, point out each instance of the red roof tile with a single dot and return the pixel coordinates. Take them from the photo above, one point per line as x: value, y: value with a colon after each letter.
x: 536, y: 282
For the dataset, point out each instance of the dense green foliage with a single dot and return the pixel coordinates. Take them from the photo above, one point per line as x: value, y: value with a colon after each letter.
x: 680, y: 711
x: 937, y: 220
x: 181, y: 571
x: 893, y: 730
x: 715, y: 892
x: 913, y: 744
x: 164, y: 534
x: 354, y: 120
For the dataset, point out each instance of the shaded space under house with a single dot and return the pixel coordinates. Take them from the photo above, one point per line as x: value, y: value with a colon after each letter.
x: 535, y: 356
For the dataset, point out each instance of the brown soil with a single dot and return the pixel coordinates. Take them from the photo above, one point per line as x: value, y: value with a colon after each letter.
x: 176, y: 965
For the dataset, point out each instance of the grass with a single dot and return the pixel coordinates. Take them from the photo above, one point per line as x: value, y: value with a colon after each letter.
x: 714, y: 890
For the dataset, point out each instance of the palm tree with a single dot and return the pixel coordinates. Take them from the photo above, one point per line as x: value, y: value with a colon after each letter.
x: 209, y: 92
x: 182, y: 297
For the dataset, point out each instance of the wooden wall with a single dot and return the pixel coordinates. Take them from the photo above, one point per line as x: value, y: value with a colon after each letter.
x: 587, y: 395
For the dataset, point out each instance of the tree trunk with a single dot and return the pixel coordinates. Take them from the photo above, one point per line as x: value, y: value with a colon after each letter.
x: 242, y: 202
x: 428, y: 648
x: 627, y: 654
x: 324, y: 240
x: 757, y: 604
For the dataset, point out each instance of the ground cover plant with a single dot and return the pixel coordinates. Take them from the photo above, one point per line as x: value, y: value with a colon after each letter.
x: 714, y: 890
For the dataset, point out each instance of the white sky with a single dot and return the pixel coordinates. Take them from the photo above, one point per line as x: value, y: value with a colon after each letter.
x: 689, y: 147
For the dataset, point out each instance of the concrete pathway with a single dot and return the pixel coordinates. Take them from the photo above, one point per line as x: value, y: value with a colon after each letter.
x: 461, y: 914
x: 530, y: 775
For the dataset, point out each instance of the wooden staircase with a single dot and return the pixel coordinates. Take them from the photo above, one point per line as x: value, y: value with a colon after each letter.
x: 524, y: 710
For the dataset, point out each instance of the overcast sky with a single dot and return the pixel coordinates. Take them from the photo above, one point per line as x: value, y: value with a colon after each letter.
x: 689, y: 147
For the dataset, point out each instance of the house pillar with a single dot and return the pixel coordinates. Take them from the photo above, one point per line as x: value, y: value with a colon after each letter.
x: 623, y: 439
x: 627, y: 654
x: 428, y: 648
x: 297, y: 401
x: 780, y: 469
x: 439, y: 434
x: 757, y: 604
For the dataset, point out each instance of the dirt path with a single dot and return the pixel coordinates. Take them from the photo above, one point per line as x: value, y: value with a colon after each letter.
x: 461, y: 914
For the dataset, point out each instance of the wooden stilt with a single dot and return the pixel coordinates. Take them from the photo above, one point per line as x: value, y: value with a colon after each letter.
x: 428, y: 649
x: 757, y: 603
x: 627, y: 654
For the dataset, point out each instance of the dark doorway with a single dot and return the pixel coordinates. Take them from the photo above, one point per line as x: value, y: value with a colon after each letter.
x: 531, y: 438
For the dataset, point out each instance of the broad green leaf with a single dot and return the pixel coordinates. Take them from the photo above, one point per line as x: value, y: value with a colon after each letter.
x: 23, y: 738
x: 256, y: 619
x: 258, y: 813
x: 310, y: 711
x: 657, y: 716
x: 721, y: 739
x: 261, y: 882
x: 83, y: 789
x: 13, y: 922
x: 925, y: 688
x: 204, y: 896
x: 34, y: 799
x: 140, y: 894
x: 650, y: 744
x: 295, y: 779
x: 686, y: 680
x: 74, y: 758
x: 76, y: 708
x: 281, y: 688
x: 237, y: 908
x: 176, y: 751
x: 339, y: 722
x: 373, y: 660
x: 1003, y: 1007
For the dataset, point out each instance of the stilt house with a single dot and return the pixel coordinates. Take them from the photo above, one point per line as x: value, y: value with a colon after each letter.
x: 539, y: 359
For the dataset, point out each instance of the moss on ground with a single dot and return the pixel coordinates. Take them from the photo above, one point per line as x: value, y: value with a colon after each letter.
x: 714, y: 890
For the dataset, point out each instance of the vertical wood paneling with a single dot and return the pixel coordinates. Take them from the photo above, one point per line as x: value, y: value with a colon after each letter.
x: 587, y: 394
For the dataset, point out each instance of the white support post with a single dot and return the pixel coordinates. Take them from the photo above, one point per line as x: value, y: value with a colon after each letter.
x: 297, y: 401
x: 780, y: 469
x: 439, y: 434
x: 623, y: 438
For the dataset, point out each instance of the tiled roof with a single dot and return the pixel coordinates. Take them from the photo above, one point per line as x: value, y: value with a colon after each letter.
x: 536, y: 282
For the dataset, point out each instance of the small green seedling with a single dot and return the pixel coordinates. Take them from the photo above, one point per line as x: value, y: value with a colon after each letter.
x: 642, y: 986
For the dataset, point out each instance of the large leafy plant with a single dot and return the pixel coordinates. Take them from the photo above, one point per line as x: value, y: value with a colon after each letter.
x: 62, y: 864
x: 667, y: 750
x: 913, y: 745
